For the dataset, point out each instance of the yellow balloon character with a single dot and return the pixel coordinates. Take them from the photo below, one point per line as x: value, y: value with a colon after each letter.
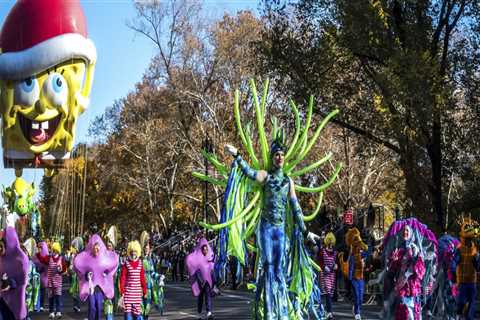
x: 46, y: 72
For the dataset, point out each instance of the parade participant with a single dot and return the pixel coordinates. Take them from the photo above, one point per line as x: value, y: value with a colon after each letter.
x: 113, y: 235
x: 465, y: 265
x: 95, y: 268
x: 260, y: 204
x: 356, y: 265
x: 56, y: 268
x: 428, y: 285
x: 14, y: 274
x: 181, y: 262
x: 447, y: 289
x: 159, y: 292
x: 42, y: 269
x: 33, y: 281
x: 74, y: 288
x: 327, y: 262
x: 132, y: 282
x: 109, y: 303
x: 410, y: 251
x: 200, y: 266
x: 149, y: 269
x: 77, y: 246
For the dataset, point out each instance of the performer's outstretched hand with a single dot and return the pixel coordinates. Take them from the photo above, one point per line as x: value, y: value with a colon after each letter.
x: 231, y: 150
x: 312, y: 237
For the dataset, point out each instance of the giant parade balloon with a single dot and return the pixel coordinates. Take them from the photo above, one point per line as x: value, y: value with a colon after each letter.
x: 47, y: 64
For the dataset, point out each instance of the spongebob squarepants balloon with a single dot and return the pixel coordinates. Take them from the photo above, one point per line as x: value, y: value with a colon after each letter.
x: 46, y: 72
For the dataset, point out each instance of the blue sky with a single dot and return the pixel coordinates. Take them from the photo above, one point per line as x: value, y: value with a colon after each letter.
x: 122, y: 57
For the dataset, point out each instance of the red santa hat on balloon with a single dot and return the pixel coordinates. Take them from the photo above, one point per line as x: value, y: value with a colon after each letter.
x: 39, y: 34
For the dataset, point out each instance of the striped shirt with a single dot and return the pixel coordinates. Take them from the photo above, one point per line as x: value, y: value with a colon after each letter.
x: 54, y: 274
x: 133, y: 286
x: 326, y: 259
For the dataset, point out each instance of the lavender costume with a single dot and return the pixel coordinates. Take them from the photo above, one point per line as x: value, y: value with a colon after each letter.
x: 200, y: 269
x: 103, y: 268
x: 15, y: 264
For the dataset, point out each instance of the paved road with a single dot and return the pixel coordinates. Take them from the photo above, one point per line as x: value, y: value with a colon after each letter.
x: 231, y: 305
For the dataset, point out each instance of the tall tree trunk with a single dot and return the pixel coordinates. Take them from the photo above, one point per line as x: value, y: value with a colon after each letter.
x: 435, y: 155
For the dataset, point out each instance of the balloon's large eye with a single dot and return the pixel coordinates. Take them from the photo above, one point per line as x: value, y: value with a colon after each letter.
x: 56, y: 89
x: 26, y: 92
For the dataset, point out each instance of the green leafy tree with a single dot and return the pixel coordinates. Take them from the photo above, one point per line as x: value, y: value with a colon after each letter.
x: 405, y: 73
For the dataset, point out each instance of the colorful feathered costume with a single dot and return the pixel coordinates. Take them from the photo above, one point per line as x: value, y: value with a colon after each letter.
x: 410, y: 251
x: 260, y: 198
x: 466, y: 264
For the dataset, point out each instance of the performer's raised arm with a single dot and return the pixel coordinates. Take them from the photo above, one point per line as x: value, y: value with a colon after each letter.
x: 258, y: 175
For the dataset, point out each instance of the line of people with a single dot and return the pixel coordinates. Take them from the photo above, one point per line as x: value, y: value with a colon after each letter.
x: 420, y: 274
x: 32, y: 276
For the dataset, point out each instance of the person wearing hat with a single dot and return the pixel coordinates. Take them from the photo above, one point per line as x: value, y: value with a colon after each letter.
x: 327, y: 261
x: 47, y: 63
x: 56, y: 267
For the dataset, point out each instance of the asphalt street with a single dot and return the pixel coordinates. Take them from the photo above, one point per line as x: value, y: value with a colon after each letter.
x: 230, y: 305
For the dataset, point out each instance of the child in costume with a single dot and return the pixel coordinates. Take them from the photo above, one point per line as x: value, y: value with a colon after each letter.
x: 356, y: 265
x: 56, y: 268
x: 132, y: 282
x: 465, y: 265
x: 13, y: 272
x: 200, y: 266
x: 96, y: 267
x: 327, y: 262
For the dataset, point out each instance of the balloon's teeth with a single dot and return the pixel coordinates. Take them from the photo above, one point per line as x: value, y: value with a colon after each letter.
x: 35, y: 125
x: 45, y: 125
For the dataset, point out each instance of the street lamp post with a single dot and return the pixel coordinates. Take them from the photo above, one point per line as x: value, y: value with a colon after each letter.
x: 207, y: 146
